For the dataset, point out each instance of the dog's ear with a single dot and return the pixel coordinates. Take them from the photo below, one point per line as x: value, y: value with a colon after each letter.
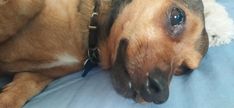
x: 120, y: 77
x: 203, y: 44
x: 195, y: 5
x: 198, y: 7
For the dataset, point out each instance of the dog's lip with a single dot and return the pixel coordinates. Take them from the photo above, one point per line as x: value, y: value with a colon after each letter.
x: 141, y: 100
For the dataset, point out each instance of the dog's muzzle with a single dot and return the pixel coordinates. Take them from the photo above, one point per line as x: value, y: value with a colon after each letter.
x: 153, y: 88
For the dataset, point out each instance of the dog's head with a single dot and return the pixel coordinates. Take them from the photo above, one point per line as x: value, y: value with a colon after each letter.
x: 150, y: 41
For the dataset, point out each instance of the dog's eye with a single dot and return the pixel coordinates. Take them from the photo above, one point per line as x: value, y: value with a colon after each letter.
x: 177, y: 17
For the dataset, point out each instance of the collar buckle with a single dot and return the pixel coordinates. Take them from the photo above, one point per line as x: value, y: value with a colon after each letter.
x: 93, y: 25
x: 93, y: 55
x: 94, y: 14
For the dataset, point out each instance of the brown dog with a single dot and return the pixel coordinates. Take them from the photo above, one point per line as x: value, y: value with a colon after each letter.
x: 142, y: 42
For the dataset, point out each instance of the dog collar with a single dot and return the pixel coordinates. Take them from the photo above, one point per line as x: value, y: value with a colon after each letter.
x: 93, y: 52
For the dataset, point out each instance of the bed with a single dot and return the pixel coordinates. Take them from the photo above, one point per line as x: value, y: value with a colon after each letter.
x: 210, y: 86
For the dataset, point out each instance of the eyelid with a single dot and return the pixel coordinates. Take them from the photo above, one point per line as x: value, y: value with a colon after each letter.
x: 175, y: 30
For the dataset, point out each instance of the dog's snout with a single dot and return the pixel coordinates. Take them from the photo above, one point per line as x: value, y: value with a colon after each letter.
x: 155, y: 88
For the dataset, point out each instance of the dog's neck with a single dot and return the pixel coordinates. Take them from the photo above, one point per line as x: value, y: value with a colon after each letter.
x: 102, y: 13
x: 102, y: 18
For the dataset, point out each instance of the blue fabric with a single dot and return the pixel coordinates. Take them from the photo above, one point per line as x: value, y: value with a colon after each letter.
x: 210, y: 86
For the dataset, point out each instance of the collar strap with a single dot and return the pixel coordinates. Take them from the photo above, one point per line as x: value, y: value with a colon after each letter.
x: 93, y: 52
x: 93, y: 27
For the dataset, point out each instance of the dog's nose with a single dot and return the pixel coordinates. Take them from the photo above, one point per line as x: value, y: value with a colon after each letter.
x: 155, y: 89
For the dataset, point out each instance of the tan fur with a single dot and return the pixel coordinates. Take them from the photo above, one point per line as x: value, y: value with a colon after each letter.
x: 44, y: 37
x: 23, y: 87
x: 37, y: 39
x: 14, y: 14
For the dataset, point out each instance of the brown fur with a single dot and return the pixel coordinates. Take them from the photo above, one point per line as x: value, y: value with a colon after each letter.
x: 34, y: 33
x: 61, y: 26
x: 13, y: 17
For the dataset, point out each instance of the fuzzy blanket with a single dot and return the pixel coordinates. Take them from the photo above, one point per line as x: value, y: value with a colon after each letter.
x: 219, y: 25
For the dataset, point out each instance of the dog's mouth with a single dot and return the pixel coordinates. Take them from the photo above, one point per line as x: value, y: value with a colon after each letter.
x: 151, y: 88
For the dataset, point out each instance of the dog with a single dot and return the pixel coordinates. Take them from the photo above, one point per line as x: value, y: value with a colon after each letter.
x: 142, y: 42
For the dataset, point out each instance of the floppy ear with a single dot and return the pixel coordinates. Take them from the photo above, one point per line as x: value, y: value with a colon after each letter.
x: 203, y: 44
x: 120, y: 77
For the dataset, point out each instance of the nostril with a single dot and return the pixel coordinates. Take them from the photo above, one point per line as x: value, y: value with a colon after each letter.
x: 155, y: 89
x: 155, y: 85
x: 157, y: 81
x: 160, y: 89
